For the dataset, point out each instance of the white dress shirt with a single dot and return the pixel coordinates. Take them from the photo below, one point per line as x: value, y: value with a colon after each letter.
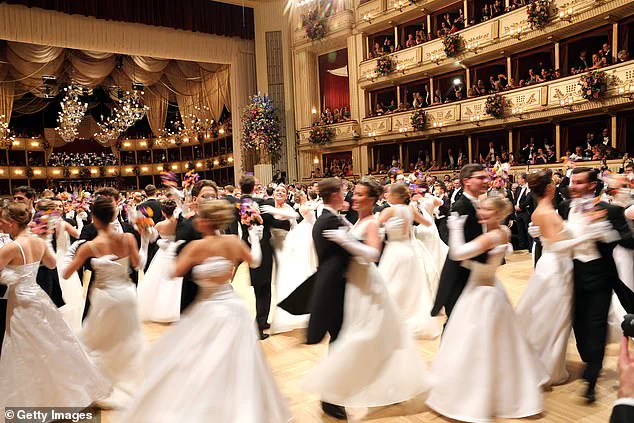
x: 454, y: 193
x: 476, y: 204
x: 577, y: 224
x: 522, y: 191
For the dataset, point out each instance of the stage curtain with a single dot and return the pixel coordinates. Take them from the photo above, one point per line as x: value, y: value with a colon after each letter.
x: 6, y: 94
x: 91, y: 71
x: 156, y: 98
x: 336, y: 91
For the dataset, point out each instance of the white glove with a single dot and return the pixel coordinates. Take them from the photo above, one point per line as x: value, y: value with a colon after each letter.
x: 82, y: 215
x: 283, y: 213
x: 460, y: 250
x: 255, y: 236
x: 355, y: 247
x: 456, y: 222
x: 256, y: 232
x: 70, y: 253
x: 211, y: 268
x: 534, y: 231
x: 170, y: 255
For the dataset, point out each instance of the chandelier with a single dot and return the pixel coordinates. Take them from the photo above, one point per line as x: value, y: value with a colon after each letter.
x: 6, y: 135
x: 129, y: 110
x: 72, y: 113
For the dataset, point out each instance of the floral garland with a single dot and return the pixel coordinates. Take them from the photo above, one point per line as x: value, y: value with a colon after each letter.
x: 314, y: 25
x: 494, y: 105
x: 451, y: 43
x: 593, y: 85
x: 29, y: 172
x: 385, y: 65
x: 418, y: 120
x: 261, y: 127
x: 537, y: 13
x: 321, y: 135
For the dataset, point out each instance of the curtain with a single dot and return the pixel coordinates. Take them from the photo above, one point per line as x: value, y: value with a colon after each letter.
x: 621, y: 134
x: 336, y: 92
x: 156, y: 98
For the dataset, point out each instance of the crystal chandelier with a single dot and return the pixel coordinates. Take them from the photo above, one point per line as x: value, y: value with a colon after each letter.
x: 129, y: 110
x: 6, y: 135
x: 72, y: 113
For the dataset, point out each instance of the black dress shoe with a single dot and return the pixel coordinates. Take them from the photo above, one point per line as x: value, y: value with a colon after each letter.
x: 263, y: 336
x: 336, y: 411
x: 590, y: 394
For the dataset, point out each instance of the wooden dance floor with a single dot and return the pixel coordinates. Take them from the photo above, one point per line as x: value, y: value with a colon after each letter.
x: 290, y: 359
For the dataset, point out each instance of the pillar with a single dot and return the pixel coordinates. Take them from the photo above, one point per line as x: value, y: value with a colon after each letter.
x: 431, y: 88
x: 510, y: 140
x: 615, y: 42
x: 306, y: 93
x: 433, y: 150
x: 465, y: 5
x: 353, y: 74
x: 613, y: 130
x: 363, y: 156
x: 469, y: 147
x: 400, y: 155
x: 428, y: 23
x: 468, y: 78
x: 557, y: 57
x: 557, y: 140
x: 508, y: 68
x: 396, y: 37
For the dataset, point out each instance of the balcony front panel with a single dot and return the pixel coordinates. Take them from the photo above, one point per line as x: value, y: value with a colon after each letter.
x: 512, y: 22
x: 528, y: 99
x: 377, y: 126
x: 371, y: 8
x: 474, y: 109
x: 483, y: 34
x: 343, y: 20
x: 343, y: 132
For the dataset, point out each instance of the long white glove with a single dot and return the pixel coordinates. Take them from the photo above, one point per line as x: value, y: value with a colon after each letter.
x: 211, y: 268
x: 70, y: 253
x: 534, y: 231
x: 143, y: 252
x: 279, y: 212
x: 80, y: 222
x: 170, y: 256
x: 365, y: 253
x: 255, y: 236
x: 460, y: 250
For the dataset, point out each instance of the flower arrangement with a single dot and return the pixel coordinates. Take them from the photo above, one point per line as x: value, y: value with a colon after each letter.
x: 84, y: 173
x: 537, y: 13
x: 314, y: 25
x: 190, y: 179
x: 249, y: 212
x: 261, y: 127
x: 418, y: 120
x: 451, y: 43
x: 495, y: 105
x: 169, y: 179
x: 28, y: 172
x: 321, y: 135
x: 136, y: 171
x: 43, y: 222
x: 593, y: 85
x: 144, y: 219
x: 66, y: 172
x: 385, y: 65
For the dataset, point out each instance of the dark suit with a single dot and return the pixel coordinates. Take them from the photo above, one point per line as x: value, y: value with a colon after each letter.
x: 351, y: 215
x: 454, y: 277
x: 88, y: 233
x: 441, y: 223
x: 594, y: 282
x: 233, y: 226
x: 185, y: 231
x: 622, y: 414
x: 523, y: 217
x: 455, y: 198
x: 261, y: 276
x: 330, y: 285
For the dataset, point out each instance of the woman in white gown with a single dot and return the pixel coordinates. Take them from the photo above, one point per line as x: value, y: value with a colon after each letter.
x: 407, y: 267
x: 484, y: 367
x: 295, y: 263
x: 158, y: 294
x: 374, y: 360
x: 111, y: 332
x: 209, y: 366
x: 72, y: 289
x: 545, y: 309
x: 42, y: 364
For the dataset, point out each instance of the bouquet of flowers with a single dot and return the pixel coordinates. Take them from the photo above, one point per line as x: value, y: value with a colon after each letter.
x: 43, y: 222
x: 144, y: 219
x: 593, y: 85
x: 261, y: 127
x: 418, y: 120
x: 190, y: 179
x: 169, y: 179
x: 451, y: 43
x: 494, y: 105
x: 321, y: 135
x: 537, y: 13
x: 385, y: 65
x: 314, y: 25
x: 249, y: 212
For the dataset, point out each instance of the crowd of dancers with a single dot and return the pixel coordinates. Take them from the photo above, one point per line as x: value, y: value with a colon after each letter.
x: 362, y: 266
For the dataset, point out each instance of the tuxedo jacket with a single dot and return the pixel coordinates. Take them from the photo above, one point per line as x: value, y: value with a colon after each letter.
x: 326, y: 305
x: 603, y: 271
x: 458, y: 195
x: 233, y: 226
x: 185, y: 231
x: 454, y: 277
x: 622, y: 413
x: 351, y: 215
x: 525, y: 200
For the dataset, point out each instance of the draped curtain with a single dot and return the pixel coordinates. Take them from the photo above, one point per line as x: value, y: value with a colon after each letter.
x: 336, y: 91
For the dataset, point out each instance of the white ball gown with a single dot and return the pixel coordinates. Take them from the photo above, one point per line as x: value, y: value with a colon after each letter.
x: 112, y: 334
x: 158, y: 295
x: 209, y: 367
x: 294, y: 263
x: 434, y: 246
x: 72, y: 289
x: 545, y: 308
x: 407, y: 268
x: 43, y: 363
x: 484, y: 367
x: 624, y: 260
x: 374, y: 361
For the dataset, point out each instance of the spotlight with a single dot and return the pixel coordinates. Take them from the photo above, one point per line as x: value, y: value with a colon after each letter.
x: 457, y: 81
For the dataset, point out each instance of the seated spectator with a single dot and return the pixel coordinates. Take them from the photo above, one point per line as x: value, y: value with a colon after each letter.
x: 540, y: 157
x: 623, y: 56
x: 606, y: 53
x: 377, y: 51
x: 387, y: 46
x: 411, y: 41
x: 581, y: 64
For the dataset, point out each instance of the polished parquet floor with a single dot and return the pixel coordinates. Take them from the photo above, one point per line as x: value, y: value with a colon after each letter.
x: 289, y: 359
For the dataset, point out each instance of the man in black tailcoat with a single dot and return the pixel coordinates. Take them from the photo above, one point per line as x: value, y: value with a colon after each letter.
x: 595, y: 273
x: 232, y: 228
x: 453, y: 278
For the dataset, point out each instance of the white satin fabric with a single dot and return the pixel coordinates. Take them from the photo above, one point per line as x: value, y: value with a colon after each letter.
x: 112, y: 334
x: 43, y: 363
x: 72, y: 289
x: 209, y: 367
x: 484, y: 367
x: 374, y: 361
x: 436, y: 249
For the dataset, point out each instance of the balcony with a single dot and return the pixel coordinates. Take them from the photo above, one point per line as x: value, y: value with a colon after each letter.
x: 345, y: 132
x: 339, y: 27
x: 546, y: 100
x: 493, y: 37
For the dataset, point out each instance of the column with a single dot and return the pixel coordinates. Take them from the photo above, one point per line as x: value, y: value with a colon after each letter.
x: 363, y: 159
x: 353, y: 74
x: 433, y: 150
x: 508, y: 68
x: 400, y: 155
x: 431, y: 89
x: 557, y: 57
x: 507, y: 3
x: 468, y: 78
x: 438, y: 153
x: 398, y: 95
x: 510, y: 140
x: 465, y: 5
x: 613, y: 129
x: 469, y: 147
x: 428, y: 23
x: 396, y: 37
x: 615, y: 42
x: 558, y: 140
x: 306, y: 93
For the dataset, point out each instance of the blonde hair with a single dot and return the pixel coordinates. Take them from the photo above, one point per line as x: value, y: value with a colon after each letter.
x: 399, y: 189
x: 501, y: 204
x: 17, y: 212
x: 217, y: 213
x: 45, y: 204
